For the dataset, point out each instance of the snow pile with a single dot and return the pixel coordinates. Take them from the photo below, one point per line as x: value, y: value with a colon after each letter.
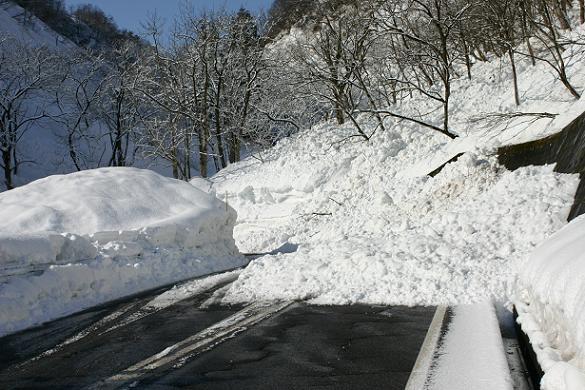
x: 72, y: 241
x: 367, y: 230
x: 366, y: 234
x: 551, y: 304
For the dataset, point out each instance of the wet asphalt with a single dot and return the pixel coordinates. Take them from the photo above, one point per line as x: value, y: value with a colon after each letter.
x: 301, y: 347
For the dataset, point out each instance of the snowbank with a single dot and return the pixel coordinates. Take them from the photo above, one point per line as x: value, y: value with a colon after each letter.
x: 68, y: 242
x: 551, y: 303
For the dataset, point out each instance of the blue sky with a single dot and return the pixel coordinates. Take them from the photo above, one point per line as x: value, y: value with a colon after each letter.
x: 129, y: 14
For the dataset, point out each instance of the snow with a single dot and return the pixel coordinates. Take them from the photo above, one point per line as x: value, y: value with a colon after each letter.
x: 365, y: 234
x: 473, y: 349
x: 368, y: 223
x: 33, y: 31
x: 340, y: 221
x: 68, y: 242
x: 550, y: 299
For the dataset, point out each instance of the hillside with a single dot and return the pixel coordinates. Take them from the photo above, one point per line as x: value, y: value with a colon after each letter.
x: 67, y: 108
x: 14, y: 22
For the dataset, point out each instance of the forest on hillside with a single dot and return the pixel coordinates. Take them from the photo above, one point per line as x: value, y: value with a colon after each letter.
x: 203, y: 90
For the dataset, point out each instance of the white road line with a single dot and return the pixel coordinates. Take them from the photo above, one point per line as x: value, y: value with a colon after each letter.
x: 199, y: 342
x: 420, y: 372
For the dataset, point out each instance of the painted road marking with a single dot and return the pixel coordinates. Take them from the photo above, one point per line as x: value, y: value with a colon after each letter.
x: 420, y: 372
x: 207, y: 338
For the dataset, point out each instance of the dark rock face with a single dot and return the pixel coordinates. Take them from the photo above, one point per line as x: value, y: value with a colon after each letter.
x: 566, y: 149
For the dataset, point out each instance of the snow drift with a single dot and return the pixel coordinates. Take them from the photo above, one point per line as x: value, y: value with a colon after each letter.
x: 551, y: 303
x: 70, y: 241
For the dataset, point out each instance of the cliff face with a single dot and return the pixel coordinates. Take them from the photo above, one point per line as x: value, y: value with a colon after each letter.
x: 566, y: 149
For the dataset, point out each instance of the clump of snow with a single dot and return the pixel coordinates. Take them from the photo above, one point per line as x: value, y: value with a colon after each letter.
x: 71, y: 241
x: 551, y: 303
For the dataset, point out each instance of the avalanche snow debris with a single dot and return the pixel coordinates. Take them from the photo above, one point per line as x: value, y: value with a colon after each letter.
x: 372, y: 227
x: 366, y: 235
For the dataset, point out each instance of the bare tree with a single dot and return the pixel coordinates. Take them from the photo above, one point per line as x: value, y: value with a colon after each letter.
x: 119, y: 109
x: 543, y: 28
x: 78, y: 100
x: 426, y: 35
x: 26, y: 73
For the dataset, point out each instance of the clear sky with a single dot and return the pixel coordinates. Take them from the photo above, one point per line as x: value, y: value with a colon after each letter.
x: 129, y: 14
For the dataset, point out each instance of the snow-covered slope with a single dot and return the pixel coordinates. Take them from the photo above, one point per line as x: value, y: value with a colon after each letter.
x: 69, y: 242
x: 29, y: 29
x: 366, y: 235
x: 42, y: 149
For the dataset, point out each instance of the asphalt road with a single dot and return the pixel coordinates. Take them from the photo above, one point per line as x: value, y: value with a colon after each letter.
x: 191, y: 344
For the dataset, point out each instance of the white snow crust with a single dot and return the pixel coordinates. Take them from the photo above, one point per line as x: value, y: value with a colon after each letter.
x: 551, y: 303
x: 72, y: 241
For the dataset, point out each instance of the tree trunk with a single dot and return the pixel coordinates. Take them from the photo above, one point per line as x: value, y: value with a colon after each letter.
x: 514, y: 76
x: 218, y: 135
x: 119, y: 160
x: 187, y: 161
x: 219, y: 140
x: 526, y: 34
x: 72, y: 151
x: 205, y: 131
x: 7, y: 162
x: 559, y: 10
x: 339, y: 115
x: 446, y: 108
x: 234, y: 154
x: 582, y: 11
x: 567, y: 84
x: 203, y: 153
x: 174, y: 163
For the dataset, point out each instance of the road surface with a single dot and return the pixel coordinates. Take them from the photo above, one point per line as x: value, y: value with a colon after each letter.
x: 191, y: 342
